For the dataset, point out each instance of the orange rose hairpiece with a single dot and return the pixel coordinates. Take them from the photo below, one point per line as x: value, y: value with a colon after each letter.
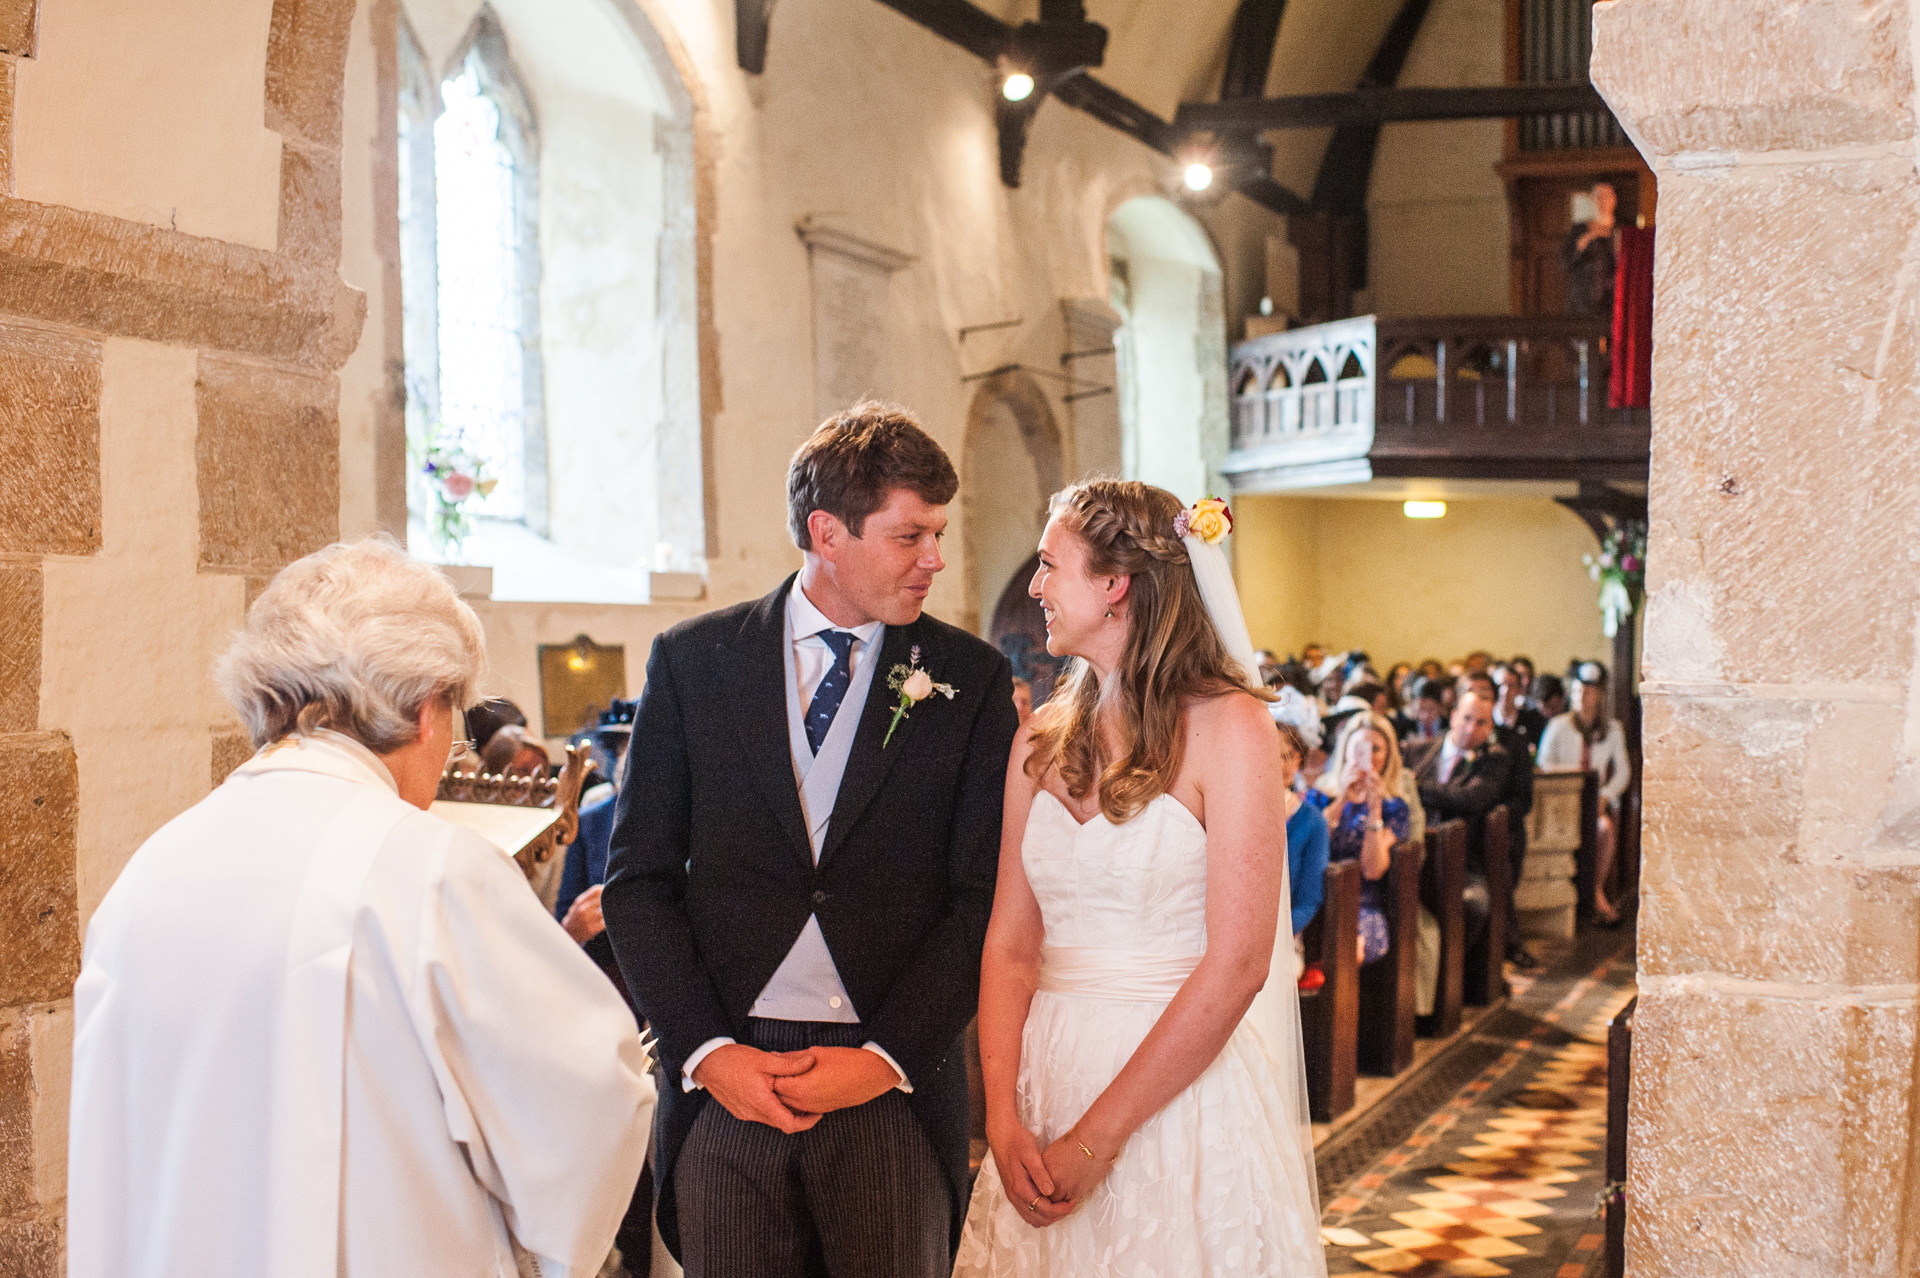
x: 1208, y: 519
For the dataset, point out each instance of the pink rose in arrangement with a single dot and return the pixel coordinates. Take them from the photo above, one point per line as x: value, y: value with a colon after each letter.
x: 1629, y: 563
x: 458, y: 485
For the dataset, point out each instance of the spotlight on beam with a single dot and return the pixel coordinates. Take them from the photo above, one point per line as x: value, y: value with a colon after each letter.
x: 1199, y: 177
x: 1424, y: 510
x: 1017, y: 87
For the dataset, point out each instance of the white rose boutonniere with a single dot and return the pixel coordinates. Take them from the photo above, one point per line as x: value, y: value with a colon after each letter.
x: 914, y: 686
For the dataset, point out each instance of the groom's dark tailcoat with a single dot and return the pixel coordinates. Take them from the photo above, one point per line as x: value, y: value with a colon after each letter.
x: 712, y: 877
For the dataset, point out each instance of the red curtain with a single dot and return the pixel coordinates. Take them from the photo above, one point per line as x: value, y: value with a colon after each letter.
x: 1630, y: 384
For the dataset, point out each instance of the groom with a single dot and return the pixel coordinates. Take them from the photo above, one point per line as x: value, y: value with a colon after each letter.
x: 798, y: 900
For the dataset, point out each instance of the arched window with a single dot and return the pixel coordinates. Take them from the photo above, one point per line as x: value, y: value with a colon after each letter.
x: 549, y: 283
x: 470, y: 262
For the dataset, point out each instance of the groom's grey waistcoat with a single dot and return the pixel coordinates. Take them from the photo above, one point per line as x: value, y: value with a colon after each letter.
x: 712, y: 874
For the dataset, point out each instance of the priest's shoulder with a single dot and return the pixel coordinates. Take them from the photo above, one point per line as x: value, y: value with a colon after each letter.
x: 462, y: 853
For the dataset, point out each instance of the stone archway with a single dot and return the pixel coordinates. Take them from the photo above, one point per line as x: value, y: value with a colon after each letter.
x: 1013, y: 460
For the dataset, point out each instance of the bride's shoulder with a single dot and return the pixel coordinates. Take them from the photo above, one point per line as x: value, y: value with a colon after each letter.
x: 1230, y: 723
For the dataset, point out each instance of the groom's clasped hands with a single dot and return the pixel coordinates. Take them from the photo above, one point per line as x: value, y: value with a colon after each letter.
x: 791, y: 1090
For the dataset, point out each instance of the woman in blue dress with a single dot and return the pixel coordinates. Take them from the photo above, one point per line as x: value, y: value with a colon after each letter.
x: 1365, y: 819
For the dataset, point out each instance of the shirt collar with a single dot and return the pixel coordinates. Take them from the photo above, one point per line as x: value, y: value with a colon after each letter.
x: 808, y: 620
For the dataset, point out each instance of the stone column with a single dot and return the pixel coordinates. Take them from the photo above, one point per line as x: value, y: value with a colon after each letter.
x: 1774, y: 1053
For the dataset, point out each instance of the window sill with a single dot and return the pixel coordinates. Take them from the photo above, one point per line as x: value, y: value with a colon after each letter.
x: 527, y: 568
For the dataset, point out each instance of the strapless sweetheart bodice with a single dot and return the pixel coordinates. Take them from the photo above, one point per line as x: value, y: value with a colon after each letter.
x: 1139, y: 886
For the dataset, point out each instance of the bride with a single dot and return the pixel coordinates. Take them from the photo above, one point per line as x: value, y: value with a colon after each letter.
x: 1146, y: 1101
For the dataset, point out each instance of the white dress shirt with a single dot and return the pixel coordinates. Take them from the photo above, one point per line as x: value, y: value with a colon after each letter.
x: 807, y: 986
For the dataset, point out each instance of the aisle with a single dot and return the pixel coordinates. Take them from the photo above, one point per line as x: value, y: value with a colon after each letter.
x: 1503, y: 1177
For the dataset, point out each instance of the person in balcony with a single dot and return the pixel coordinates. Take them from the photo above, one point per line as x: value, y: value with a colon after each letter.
x: 1586, y: 255
x: 1589, y: 738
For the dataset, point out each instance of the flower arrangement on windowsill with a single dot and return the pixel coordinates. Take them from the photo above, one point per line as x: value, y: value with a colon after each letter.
x: 451, y: 475
x: 1621, y: 570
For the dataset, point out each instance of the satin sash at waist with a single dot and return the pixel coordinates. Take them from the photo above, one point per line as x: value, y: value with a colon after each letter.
x: 1121, y: 974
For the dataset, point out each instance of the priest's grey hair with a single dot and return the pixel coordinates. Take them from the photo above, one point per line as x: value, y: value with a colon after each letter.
x: 356, y: 638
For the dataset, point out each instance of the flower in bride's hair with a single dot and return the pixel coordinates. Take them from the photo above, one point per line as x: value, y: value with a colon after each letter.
x: 1209, y: 520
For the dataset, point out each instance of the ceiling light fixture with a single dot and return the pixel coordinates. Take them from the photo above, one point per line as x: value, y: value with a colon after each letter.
x: 1017, y: 87
x: 1199, y: 177
x: 1424, y: 509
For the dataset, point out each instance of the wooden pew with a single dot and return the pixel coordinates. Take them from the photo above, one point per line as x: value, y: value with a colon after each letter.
x: 1545, y: 900
x: 1484, y: 980
x: 1442, y: 881
x: 1330, y: 1016
x: 1385, y: 1039
x: 1586, y: 861
x: 1619, y: 1066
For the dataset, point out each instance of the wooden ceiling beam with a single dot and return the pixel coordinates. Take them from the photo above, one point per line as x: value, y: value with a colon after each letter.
x: 1373, y: 106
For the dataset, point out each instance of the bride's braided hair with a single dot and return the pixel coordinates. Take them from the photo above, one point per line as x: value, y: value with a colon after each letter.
x: 1172, y: 651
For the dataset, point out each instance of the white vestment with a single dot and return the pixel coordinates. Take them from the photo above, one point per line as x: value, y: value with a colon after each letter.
x: 320, y: 1032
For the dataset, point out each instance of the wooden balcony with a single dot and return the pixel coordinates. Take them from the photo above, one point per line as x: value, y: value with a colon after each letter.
x: 1444, y: 397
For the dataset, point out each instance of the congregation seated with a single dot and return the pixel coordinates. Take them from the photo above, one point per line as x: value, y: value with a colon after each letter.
x: 1511, y: 709
x: 1465, y: 775
x: 1365, y: 818
x: 1590, y: 739
x: 1548, y: 695
x: 1306, y: 842
x: 512, y: 753
x: 1518, y: 796
x: 1424, y: 715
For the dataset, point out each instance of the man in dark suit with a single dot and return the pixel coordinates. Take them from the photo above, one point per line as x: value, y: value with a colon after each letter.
x: 1465, y: 774
x: 801, y: 878
x: 1519, y: 792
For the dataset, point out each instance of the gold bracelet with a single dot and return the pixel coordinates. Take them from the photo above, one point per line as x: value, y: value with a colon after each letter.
x: 1083, y: 1149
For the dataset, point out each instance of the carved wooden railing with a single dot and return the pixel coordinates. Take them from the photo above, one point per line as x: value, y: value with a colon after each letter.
x: 550, y: 792
x: 1474, y: 396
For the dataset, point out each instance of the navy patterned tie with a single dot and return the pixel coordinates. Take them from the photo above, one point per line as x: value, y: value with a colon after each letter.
x: 833, y: 688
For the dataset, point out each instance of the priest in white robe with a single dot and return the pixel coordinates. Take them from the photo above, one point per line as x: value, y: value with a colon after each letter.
x: 320, y: 1032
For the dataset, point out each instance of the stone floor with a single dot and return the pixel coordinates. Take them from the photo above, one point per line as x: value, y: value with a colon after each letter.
x: 1503, y: 1177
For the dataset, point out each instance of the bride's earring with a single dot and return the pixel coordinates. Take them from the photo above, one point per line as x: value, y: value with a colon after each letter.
x: 1109, y: 614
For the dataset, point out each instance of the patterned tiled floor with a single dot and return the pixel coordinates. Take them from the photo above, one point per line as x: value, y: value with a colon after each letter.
x: 1503, y: 1178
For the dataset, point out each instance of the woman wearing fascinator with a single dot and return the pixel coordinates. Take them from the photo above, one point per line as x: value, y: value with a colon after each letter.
x: 1139, y: 1027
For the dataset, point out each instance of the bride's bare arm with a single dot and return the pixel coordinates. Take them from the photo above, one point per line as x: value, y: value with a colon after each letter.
x: 1009, y: 974
x: 1232, y: 746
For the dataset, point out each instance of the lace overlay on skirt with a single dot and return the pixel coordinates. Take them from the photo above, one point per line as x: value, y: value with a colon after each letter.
x: 1211, y: 1185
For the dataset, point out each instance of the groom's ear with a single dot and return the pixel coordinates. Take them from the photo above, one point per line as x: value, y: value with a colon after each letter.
x: 826, y: 532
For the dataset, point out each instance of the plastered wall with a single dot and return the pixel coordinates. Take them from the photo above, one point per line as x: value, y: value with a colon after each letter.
x: 1503, y: 574
x: 868, y: 120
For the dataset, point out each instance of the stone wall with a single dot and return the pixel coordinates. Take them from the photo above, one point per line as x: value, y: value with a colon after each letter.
x: 169, y: 434
x: 1774, y: 1055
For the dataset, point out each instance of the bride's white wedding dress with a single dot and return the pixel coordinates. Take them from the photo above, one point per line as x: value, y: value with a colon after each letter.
x: 1216, y: 1183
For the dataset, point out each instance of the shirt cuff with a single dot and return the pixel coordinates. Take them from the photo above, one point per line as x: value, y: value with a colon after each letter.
x: 881, y: 1052
x: 693, y: 1062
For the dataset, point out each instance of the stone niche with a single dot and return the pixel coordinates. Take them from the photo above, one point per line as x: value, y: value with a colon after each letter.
x: 1773, y: 1101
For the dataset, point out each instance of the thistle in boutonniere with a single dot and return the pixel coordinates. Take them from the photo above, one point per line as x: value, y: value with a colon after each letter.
x: 914, y: 686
